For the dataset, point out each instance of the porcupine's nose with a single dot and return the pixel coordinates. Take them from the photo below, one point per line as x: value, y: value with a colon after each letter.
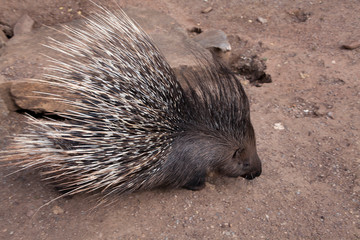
x: 253, y: 168
x: 252, y: 175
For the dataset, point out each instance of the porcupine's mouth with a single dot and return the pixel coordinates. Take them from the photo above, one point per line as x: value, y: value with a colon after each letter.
x: 252, y: 175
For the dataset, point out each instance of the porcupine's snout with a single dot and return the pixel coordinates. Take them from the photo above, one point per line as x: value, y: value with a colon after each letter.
x: 252, y: 167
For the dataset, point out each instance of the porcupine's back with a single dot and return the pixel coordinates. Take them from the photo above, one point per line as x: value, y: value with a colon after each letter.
x: 125, y: 119
x: 134, y: 127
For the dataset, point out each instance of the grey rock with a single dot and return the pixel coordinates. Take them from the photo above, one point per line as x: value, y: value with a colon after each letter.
x: 23, y: 25
x: 213, y: 39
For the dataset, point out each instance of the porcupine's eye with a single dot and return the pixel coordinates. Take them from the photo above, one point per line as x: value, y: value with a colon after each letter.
x: 237, y: 154
x: 241, y: 159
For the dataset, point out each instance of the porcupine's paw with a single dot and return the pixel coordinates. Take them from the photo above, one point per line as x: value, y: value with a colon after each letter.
x: 196, y: 183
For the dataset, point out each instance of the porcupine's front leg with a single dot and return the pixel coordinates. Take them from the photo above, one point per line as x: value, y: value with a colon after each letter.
x: 197, y: 182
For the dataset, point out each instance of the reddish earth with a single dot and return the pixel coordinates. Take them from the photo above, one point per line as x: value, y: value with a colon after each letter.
x: 307, y: 125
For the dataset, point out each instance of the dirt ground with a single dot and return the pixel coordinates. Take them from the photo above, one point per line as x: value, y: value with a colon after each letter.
x: 306, y: 121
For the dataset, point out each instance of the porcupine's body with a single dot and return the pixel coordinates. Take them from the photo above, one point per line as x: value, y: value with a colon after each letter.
x: 134, y: 126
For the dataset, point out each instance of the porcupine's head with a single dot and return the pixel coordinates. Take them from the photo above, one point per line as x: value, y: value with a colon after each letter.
x: 219, y: 135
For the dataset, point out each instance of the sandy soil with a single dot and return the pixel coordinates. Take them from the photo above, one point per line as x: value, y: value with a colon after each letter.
x: 307, y: 125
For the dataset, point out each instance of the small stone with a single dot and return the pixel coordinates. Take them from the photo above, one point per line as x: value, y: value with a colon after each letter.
x: 30, y: 213
x: 304, y: 75
x: 225, y: 225
x: 227, y: 233
x: 58, y: 210
x: 262, y: 20
x: 300, y: 15
x: 330, y: 115
x: 279, y: 126
x: 207, y: 10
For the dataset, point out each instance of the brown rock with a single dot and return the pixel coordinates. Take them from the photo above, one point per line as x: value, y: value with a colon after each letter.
x: 168, y: 36
x: 351, y: 46
x: 30, y: 95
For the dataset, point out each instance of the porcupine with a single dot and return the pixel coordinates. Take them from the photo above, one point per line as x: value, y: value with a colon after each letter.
x: 134, y: 126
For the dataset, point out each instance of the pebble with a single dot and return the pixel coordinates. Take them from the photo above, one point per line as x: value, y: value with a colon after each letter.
x: 304, y: 75
x: 279, y: 126
x: 57, y: 210
x: 262, y: 20
x: 207, y: 10
x: 330, y: 115
x: 30, y: 213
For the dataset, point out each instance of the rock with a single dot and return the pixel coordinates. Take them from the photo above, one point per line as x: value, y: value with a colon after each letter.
x: 213, y: 39
x: 7, y: 30
x: 279, y: 126
x: 330, y: 115
x: 207, y: 10
x: 3, y: 39
x: 351, y: 46
x: 23, y: 25
x: 168, y: 36
x: 300, y: 15
x: 244, y: 60
x: 261, y: 20
x: 30, y: 95
x: 57, y: 210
